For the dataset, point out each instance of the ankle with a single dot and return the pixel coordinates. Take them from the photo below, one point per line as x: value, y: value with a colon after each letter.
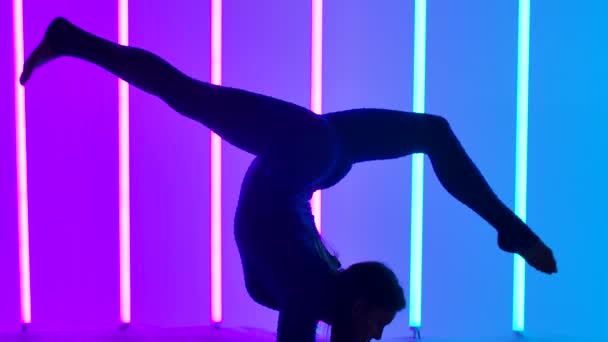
x: 517, y: 240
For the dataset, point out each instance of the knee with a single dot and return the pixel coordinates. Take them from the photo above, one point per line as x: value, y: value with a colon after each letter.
x: 437, y: 123
x: 437, y: 131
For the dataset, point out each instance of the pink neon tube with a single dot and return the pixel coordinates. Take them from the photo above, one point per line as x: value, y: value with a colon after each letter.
x: 316, y: 82
x: 22, y: 205
x: 124, y: 182
x: 216, y: 171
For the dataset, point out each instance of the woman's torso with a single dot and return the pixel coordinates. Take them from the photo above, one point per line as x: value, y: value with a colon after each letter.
x: 277, y: 238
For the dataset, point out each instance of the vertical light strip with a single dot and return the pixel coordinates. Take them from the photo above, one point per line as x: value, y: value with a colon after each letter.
x: 521, y: 155
x: 216, y: 171
x: 417, y: 167
x: 316, y: 84
x: 124, y: 181
x: 22, y: 204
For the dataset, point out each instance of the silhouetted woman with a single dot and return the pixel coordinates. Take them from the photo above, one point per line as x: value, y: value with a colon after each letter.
x: 285, y: 263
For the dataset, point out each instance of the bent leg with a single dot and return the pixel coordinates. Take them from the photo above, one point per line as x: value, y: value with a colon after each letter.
x: 373, y: 134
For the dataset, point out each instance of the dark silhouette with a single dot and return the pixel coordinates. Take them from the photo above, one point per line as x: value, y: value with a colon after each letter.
x: 285, y: 263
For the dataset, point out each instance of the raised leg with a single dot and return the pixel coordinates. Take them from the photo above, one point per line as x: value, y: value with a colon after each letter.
x: 249, y: 121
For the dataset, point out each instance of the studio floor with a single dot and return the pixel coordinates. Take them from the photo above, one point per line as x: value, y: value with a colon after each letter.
x: 225, y: 334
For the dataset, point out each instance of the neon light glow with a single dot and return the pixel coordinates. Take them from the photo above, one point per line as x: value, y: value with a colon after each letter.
x: 22, y: 204
x: 216, y: 171
x: 124, y: 181
x: 417, y: 167
x: 316, y: 85
x: 521, y: 155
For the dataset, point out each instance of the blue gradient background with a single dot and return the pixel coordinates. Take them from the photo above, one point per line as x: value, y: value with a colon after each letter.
x: 471, y: 80
x: 72, y: 123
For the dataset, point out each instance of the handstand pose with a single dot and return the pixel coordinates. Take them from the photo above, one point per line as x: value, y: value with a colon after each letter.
x: 286, y: 265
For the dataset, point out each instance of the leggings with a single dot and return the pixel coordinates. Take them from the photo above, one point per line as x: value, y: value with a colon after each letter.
x: 295, y: 142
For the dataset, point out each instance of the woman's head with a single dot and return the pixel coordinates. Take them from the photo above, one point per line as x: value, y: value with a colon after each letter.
x: 368, y: 295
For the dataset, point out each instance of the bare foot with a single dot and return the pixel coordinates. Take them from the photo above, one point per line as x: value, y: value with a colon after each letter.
x: 527, y: 244
x: 45, y: 51
x: 41, y: 55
